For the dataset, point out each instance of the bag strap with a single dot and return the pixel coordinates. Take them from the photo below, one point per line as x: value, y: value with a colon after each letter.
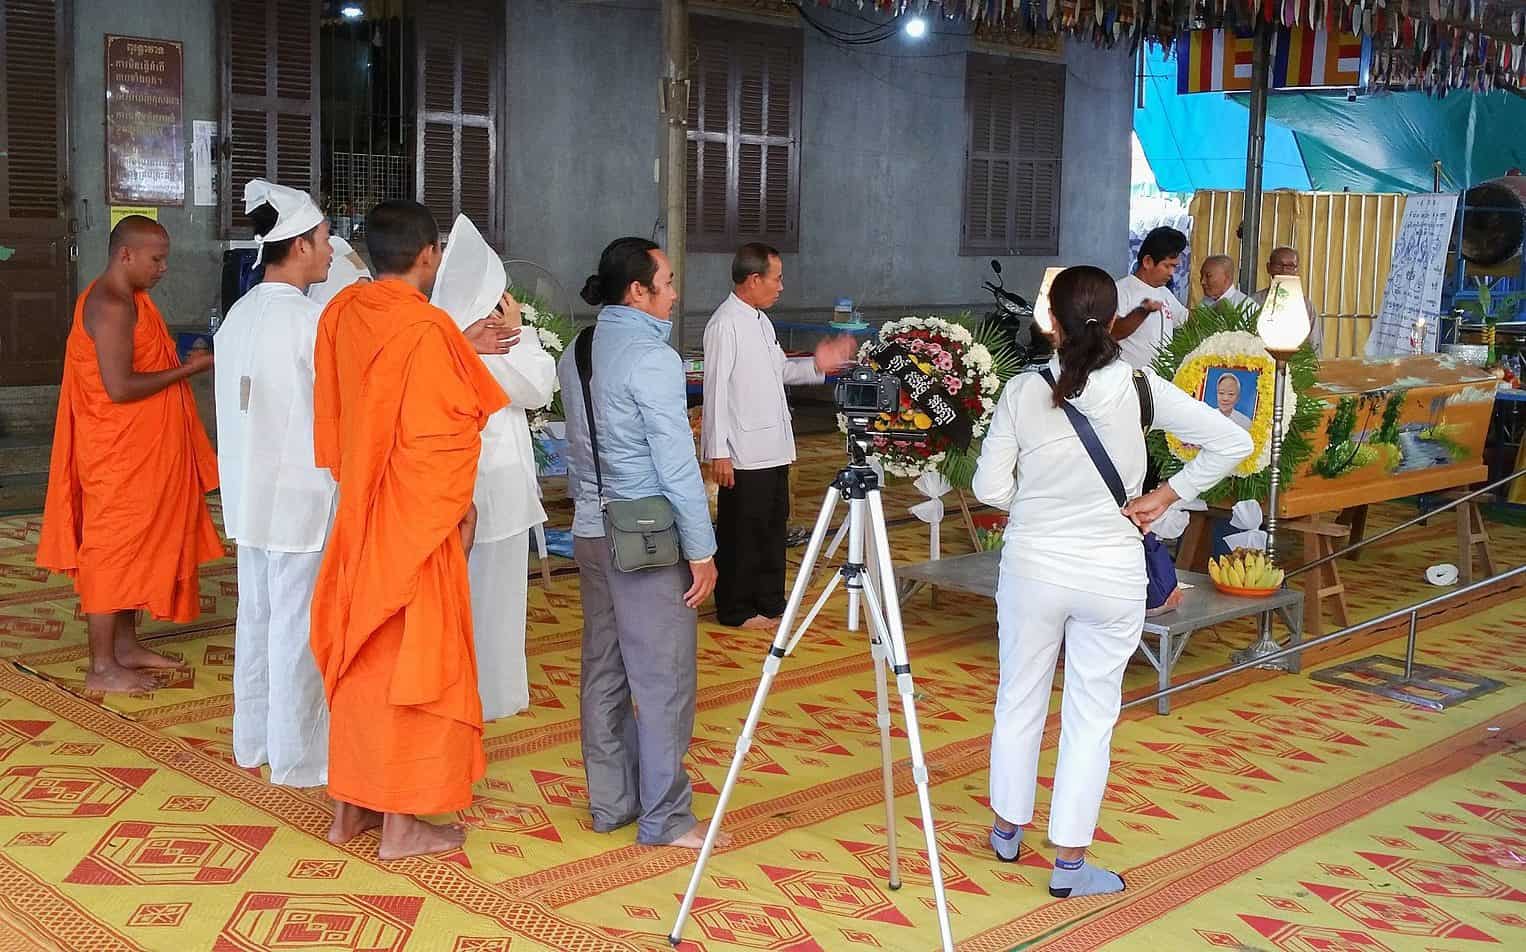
x: 1093, y: 444
x: 1146, y: 400
x: 582, y: 352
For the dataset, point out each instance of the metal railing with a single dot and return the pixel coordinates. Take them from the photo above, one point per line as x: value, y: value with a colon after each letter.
x: 1412, y: 612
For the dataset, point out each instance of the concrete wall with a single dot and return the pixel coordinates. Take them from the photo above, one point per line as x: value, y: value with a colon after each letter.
x: 193, y: 282
x: 882, y: 163
x: 882, y: 169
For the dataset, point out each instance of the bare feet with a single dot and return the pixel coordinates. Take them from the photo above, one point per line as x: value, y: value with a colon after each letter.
x: 695, y: 838
x: 130, y: 654
x: 115, y: 679
x: 403, y: 836
x: 760, y: 623
x: 350, y: 821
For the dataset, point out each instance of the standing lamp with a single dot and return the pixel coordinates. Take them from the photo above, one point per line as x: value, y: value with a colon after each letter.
x: 1283, y: 325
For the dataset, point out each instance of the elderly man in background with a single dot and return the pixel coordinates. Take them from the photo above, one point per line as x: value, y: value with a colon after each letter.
x: 747, y: 437
x: 1284, y: 261
x: 1217, y: 276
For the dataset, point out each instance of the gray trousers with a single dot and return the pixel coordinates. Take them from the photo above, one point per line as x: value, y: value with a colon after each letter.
x: 637, y: 694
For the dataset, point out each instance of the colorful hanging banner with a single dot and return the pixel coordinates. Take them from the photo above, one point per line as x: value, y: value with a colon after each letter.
x: 1219, y: 61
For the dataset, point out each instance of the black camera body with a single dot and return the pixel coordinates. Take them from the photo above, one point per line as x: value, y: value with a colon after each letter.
x: 865, y: 392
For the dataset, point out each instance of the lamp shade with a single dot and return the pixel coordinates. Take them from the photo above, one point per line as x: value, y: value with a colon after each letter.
x: 1041, y: 315
x: 1284, y: 321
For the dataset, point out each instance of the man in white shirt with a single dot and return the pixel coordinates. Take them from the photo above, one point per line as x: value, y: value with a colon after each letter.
x: 1284, y: 261
x: 277, y: 503
x: 470, y: 287
x: 1217, y: 276
x: 1148, y: 312
x: 748, y: 439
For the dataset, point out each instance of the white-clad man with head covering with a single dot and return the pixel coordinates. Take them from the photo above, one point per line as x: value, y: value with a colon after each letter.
x: 277, y: 504
x: 471, y: 286
x: 346, y: 268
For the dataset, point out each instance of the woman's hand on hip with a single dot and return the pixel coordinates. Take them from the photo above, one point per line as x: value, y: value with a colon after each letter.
x: 1151, y: 506
x: 704, y: 573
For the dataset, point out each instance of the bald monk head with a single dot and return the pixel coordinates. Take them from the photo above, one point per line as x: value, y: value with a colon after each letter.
x: 139, y: 252
x: 404, y: 241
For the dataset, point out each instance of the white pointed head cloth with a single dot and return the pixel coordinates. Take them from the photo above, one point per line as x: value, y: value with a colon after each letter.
x: 347, y: 268
x: 295, y: 212
x: 471, y: 281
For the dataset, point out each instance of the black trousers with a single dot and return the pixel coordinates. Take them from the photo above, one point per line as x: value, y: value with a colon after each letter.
x: 751, y: 525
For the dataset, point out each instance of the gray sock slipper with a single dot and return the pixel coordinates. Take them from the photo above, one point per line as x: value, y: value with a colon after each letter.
x: 1083, y: 880
x: 1006, y: 844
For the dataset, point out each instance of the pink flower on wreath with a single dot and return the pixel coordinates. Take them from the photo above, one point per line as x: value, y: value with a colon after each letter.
x: 952, y: 384
x: 901, y: 445
x: 944, y: 361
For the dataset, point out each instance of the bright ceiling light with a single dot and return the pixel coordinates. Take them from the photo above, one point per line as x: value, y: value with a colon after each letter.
x: 916, y: 28
x: 351, y: 11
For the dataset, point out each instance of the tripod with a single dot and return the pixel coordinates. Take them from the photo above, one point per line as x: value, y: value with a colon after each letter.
x: 859, y: 485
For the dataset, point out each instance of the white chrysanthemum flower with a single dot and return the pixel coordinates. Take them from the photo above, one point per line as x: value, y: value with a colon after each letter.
x: 550, y: 340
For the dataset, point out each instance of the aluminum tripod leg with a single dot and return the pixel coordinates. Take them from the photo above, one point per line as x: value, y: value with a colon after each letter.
x: 744, y: 742
x: 888, y: 615
x: 887, y: 770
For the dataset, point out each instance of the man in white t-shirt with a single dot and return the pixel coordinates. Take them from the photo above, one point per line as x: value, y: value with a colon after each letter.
x: 1147, y: 310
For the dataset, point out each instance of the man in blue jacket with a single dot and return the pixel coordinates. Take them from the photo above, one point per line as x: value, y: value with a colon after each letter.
x: 639, y: 628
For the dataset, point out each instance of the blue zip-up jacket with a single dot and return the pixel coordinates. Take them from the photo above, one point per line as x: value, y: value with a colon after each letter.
x: 646, y: 447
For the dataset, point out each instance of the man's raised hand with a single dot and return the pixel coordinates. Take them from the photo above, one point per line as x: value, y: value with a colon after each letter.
x: 491, y: 336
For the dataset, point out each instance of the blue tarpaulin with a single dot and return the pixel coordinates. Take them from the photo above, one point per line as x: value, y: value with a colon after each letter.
x: 1198, y: 141
x: 1383, y: 142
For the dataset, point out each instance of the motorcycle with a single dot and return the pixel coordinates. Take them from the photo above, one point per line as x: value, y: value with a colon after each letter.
x: 1014, y: 322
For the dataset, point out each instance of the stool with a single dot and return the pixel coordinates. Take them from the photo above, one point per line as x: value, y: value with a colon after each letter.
x: 1356, y: 518
x: 1472, y: 538
x: 1321, y: 539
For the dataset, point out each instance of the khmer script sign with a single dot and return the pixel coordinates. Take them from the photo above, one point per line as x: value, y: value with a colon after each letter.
x: 1415, y: 276
x: 145, y: 122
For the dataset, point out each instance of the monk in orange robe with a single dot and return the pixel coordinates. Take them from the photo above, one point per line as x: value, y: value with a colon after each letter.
x: 126, y: 512
x: 400, y: 401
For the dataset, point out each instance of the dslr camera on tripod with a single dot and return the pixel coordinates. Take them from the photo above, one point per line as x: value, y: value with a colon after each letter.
x: 864, y: 393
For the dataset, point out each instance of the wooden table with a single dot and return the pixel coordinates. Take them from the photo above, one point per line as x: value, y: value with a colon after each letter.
x: 1203, y: 606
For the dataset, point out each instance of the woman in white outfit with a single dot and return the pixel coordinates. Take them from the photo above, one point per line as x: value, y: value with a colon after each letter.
x: 1072, y: 565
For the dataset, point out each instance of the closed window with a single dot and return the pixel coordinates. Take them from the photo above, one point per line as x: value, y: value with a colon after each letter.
x: 1015, y: 112
x: 744, y: 135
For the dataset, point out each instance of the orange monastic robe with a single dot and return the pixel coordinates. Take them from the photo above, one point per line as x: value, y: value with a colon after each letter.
x: 399, y: 406
x: 126, y: 513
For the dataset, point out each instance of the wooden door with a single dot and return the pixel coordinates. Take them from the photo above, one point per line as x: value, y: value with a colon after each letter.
x: 37, y: 247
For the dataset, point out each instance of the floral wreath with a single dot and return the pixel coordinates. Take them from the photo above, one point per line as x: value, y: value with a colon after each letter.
x: 1223, y: 336
x: 554, y: 332
x: 969, y: 365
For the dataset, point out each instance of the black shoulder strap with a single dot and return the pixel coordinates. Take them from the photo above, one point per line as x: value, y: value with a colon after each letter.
x: 1093, y: 445
x: 582, y: 355
x: 1146, y: 400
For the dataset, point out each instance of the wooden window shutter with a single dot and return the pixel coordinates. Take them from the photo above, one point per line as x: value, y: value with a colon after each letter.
x: 32, y: 143
x: 460, y: 103
x: 36, y: 204
x: 744, y: 135
x: 1015, y: 112
x: 270, y: 100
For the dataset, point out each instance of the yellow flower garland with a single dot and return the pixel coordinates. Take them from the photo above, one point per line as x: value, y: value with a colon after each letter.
x: 1191, y: 376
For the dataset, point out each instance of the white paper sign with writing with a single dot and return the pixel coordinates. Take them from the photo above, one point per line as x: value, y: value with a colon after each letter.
x: 1415, y: 276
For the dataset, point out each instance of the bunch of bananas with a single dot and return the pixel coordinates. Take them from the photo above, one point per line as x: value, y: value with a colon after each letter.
x: 1245, y: 568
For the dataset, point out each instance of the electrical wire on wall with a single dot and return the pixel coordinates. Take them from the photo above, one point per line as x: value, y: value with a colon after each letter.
x: 876, y: 33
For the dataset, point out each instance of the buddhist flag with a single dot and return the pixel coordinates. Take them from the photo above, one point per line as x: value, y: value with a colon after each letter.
x: 1220, y: 60
x: 1316, y: 59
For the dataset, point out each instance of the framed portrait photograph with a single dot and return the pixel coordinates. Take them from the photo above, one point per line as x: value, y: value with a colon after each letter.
x: 1233, y: 391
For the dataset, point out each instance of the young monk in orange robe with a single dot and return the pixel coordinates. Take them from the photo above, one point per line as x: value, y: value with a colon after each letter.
x: 400, y: 401
x: 126, y: 512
